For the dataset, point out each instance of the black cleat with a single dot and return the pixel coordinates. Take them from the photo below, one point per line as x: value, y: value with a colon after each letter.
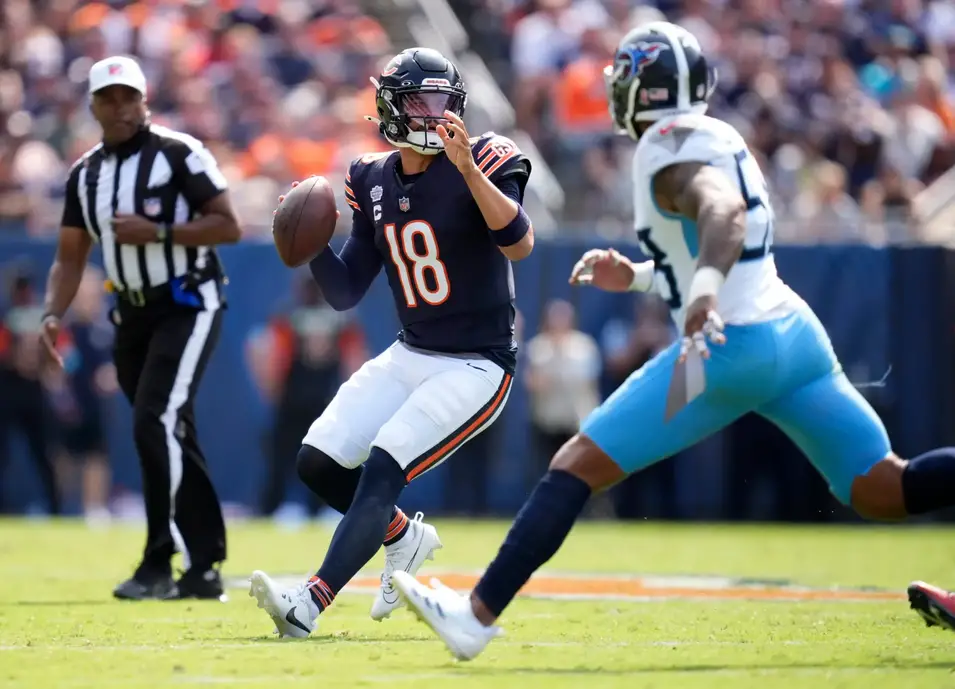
x: 203, y: 584
x: 140, y: 587
x: 935, y: 605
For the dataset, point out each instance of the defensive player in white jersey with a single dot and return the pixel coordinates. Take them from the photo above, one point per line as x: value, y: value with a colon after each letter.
x: 750, y: 343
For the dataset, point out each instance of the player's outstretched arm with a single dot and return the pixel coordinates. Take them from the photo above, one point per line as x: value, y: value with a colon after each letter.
x: 345, y: 277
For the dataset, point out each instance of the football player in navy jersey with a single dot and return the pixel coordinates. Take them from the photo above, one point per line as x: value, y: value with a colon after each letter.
x: 443, y: 215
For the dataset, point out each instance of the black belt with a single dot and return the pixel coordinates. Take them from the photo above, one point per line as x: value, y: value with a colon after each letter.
x: 164, y: 292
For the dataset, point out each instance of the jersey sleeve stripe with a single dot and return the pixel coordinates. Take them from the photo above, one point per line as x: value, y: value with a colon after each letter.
x: 348, y: 175
x: 489, y: 166
x: 486, y: 148
x: 349, y: 192
x: 352, y: 203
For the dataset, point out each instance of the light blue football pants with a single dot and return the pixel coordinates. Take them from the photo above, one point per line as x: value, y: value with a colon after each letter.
x: 785, y: 370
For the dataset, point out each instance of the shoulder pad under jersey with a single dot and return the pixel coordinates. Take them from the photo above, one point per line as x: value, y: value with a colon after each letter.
x: 684, y: 139
x: 498, y: 156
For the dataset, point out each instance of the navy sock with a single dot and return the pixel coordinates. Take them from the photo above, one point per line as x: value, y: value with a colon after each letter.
x: 363, y: 528
x: 336, y: 485
x: 928, y: 481
x: 538, y: 532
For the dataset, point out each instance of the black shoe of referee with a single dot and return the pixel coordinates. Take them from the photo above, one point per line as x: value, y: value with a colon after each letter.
x: 147, y: 585
x: 203, y: 583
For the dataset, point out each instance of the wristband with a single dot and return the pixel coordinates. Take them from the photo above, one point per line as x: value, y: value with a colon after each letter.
x: 514, y: 231
x: 707, y: 282
x: 642, y: 276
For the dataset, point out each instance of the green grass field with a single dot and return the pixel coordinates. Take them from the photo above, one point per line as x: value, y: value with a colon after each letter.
x: 60, y: 628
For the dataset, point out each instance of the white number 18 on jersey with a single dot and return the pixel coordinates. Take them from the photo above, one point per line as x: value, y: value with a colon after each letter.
x: 401, y: 244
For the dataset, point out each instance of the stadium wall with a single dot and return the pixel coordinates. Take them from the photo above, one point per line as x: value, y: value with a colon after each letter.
x: 882, y: 307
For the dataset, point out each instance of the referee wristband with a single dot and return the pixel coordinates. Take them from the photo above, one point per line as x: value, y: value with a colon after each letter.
x: 707, y: 282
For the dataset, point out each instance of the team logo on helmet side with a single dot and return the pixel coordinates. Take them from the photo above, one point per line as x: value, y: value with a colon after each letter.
x: 646, y: 53
x: 392, y: 66
x: 631, y: 61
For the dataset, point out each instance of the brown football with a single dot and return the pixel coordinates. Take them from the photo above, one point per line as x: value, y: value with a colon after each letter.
x: 304, y: 222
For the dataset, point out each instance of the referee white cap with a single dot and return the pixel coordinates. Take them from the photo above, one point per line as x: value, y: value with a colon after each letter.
x: 119, y: 70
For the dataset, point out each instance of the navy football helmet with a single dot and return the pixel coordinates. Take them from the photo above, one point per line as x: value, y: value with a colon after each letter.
x: 412, y: 93
x: 659, y: 70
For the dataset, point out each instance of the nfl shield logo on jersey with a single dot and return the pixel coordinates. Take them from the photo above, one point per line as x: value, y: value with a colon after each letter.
x: 404, y: 204
x: 152, y: 207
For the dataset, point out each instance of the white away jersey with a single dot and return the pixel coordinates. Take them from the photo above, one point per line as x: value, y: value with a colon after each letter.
x: 753, y: 291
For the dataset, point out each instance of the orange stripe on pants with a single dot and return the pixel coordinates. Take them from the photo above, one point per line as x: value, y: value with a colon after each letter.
x: 453, y: 443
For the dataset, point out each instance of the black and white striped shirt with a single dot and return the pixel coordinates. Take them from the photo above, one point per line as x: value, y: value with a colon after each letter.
x: 160, y: 174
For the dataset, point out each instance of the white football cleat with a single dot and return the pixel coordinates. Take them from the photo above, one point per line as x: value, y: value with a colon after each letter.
x: 407, y: 555
x: 448, y: 614
x: 290, y: 609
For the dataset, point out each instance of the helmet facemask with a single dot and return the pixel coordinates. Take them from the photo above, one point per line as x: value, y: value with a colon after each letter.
x: 622, y: 85
x: 408, y: 116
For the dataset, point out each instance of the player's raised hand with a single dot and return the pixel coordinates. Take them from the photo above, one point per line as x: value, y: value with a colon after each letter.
x: 606, y: 269
x: 457, y: 144
x: 703, y: 326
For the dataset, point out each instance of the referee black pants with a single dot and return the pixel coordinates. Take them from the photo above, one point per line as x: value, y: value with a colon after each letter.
x: 161, y: 352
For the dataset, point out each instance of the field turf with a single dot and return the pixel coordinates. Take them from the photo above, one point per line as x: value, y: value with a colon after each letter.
x: 59, y: 627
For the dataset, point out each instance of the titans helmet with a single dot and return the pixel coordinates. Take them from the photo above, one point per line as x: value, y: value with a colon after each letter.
x: 659, y: 70
x: 412, y: 93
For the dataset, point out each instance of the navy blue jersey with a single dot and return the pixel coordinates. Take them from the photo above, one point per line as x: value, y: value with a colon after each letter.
x: 453, y: 288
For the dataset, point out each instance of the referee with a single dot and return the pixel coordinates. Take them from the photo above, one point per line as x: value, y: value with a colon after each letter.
x: 156, y: 202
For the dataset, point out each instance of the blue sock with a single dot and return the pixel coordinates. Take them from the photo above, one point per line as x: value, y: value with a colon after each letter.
x: 361, y: 531
x: 928, y: 481
x: 538, y: 532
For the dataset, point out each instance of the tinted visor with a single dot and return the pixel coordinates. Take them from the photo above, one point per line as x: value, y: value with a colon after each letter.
x: 425, y: 109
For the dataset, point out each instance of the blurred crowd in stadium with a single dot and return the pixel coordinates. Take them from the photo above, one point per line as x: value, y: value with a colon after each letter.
x: 848, y: 102
x: 275, y: 88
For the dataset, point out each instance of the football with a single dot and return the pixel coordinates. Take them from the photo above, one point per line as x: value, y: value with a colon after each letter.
x: 304, y: 222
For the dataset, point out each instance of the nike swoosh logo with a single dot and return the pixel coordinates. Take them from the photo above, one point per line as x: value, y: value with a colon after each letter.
x: 384, y: 594
x: 294, y: 621
x: 414, y: 555
x: 477, y: 367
